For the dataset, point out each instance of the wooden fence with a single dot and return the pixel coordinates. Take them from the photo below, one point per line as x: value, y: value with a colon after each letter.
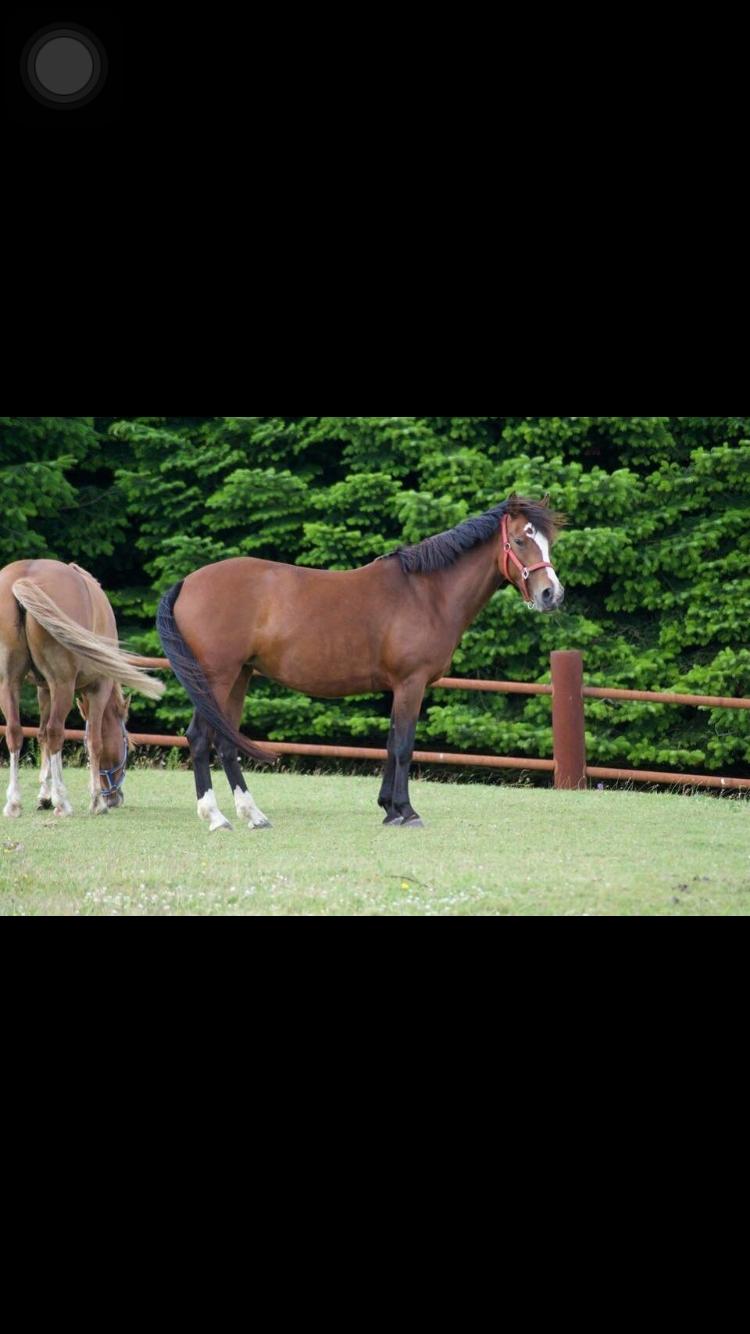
x: 569, y: 766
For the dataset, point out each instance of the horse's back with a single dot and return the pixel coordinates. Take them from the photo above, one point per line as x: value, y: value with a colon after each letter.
x: 251, y: 575
x: 266, y: 588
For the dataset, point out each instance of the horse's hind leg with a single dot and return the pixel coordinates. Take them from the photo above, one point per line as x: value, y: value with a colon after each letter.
x: 61, y: 702
x: 200, y: 735
x: 44, y: 800
x: 243, y: 799
x: 14, y: 663
x: 10, y: 689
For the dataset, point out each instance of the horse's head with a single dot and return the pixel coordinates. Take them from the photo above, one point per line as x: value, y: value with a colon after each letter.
x: 115, y: 745
x: 528, y: 532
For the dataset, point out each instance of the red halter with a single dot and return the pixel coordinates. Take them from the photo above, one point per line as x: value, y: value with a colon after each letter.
x: 526, y: 570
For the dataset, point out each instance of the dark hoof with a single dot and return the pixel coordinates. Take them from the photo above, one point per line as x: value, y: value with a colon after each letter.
x: 393, y: 821
x: 45, y: 805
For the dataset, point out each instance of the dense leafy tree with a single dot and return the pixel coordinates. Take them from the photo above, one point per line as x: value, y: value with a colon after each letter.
x: 54, y: 478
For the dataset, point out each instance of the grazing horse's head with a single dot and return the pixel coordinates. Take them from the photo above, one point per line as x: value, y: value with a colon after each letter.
x: 528, y: 532
x: 115, y: 745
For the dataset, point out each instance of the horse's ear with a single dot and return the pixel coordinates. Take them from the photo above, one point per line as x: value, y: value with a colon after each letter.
x: 82, y: 705
x: 513, y: 503
x: 546, y: 500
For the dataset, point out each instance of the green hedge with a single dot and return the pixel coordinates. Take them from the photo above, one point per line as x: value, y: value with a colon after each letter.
x: 655, y: 560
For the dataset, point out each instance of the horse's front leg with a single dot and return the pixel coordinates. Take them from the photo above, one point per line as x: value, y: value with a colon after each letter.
x: 93, y: 712
x: 385, y: 797
x: 407, y: 702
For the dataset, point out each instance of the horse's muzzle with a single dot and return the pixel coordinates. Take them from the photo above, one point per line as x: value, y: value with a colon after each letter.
x: 552, y: 598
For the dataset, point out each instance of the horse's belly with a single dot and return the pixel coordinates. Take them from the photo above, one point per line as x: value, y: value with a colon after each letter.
x: 340, y: 689
x: 327, y: 671
x: 326, y: 686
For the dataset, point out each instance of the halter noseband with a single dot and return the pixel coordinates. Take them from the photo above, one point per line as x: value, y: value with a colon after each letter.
x: 526, y: 570
x: 121, y: 768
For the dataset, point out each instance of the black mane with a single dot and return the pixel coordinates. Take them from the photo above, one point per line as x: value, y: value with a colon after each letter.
x: 437, y: 553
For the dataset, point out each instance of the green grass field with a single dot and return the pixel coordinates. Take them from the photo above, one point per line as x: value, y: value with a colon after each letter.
x: 486, y: 851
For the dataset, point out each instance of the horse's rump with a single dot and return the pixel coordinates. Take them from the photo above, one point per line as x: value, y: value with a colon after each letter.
x: 195, y: 682
x: 94, y: 652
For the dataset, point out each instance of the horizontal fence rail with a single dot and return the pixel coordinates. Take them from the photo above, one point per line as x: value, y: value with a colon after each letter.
x: 341, y: 752
x: 649, y: 697
x: 681, y: 780
x: 568, y: 693
x: 531, y: 688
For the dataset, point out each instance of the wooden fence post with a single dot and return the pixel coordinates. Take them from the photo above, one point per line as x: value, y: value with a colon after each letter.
x: 568, y: 721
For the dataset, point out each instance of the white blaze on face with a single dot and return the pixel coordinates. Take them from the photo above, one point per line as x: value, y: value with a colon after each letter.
x: 543, y: 545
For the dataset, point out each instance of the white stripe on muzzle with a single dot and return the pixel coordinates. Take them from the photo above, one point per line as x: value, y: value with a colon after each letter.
x: 543, y: 545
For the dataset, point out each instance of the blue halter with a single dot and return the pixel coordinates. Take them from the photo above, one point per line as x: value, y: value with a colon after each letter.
x: 121, y: 768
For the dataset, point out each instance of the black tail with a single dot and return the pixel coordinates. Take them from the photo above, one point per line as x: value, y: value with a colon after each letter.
x: 191, y: 676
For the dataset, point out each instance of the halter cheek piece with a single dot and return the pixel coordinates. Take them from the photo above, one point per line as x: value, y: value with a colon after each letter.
x: 526, y: 570
x: 121, y: 768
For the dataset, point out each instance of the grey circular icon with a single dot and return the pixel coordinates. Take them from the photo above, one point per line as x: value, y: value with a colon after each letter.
x: 64, y: 66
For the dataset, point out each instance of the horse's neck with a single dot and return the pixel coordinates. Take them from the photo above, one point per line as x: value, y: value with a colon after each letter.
x: 468, y: 585
x: 116, y: 703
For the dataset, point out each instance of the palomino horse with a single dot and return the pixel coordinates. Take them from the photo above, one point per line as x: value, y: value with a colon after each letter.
x: 57, y: 625
x: 393, y: 625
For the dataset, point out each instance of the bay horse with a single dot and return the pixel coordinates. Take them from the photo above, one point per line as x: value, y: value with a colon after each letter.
x: 58, y: 628
x: 393, y: 625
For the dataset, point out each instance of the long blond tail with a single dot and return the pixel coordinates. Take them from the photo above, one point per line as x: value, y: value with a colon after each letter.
x: 102, y: 655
